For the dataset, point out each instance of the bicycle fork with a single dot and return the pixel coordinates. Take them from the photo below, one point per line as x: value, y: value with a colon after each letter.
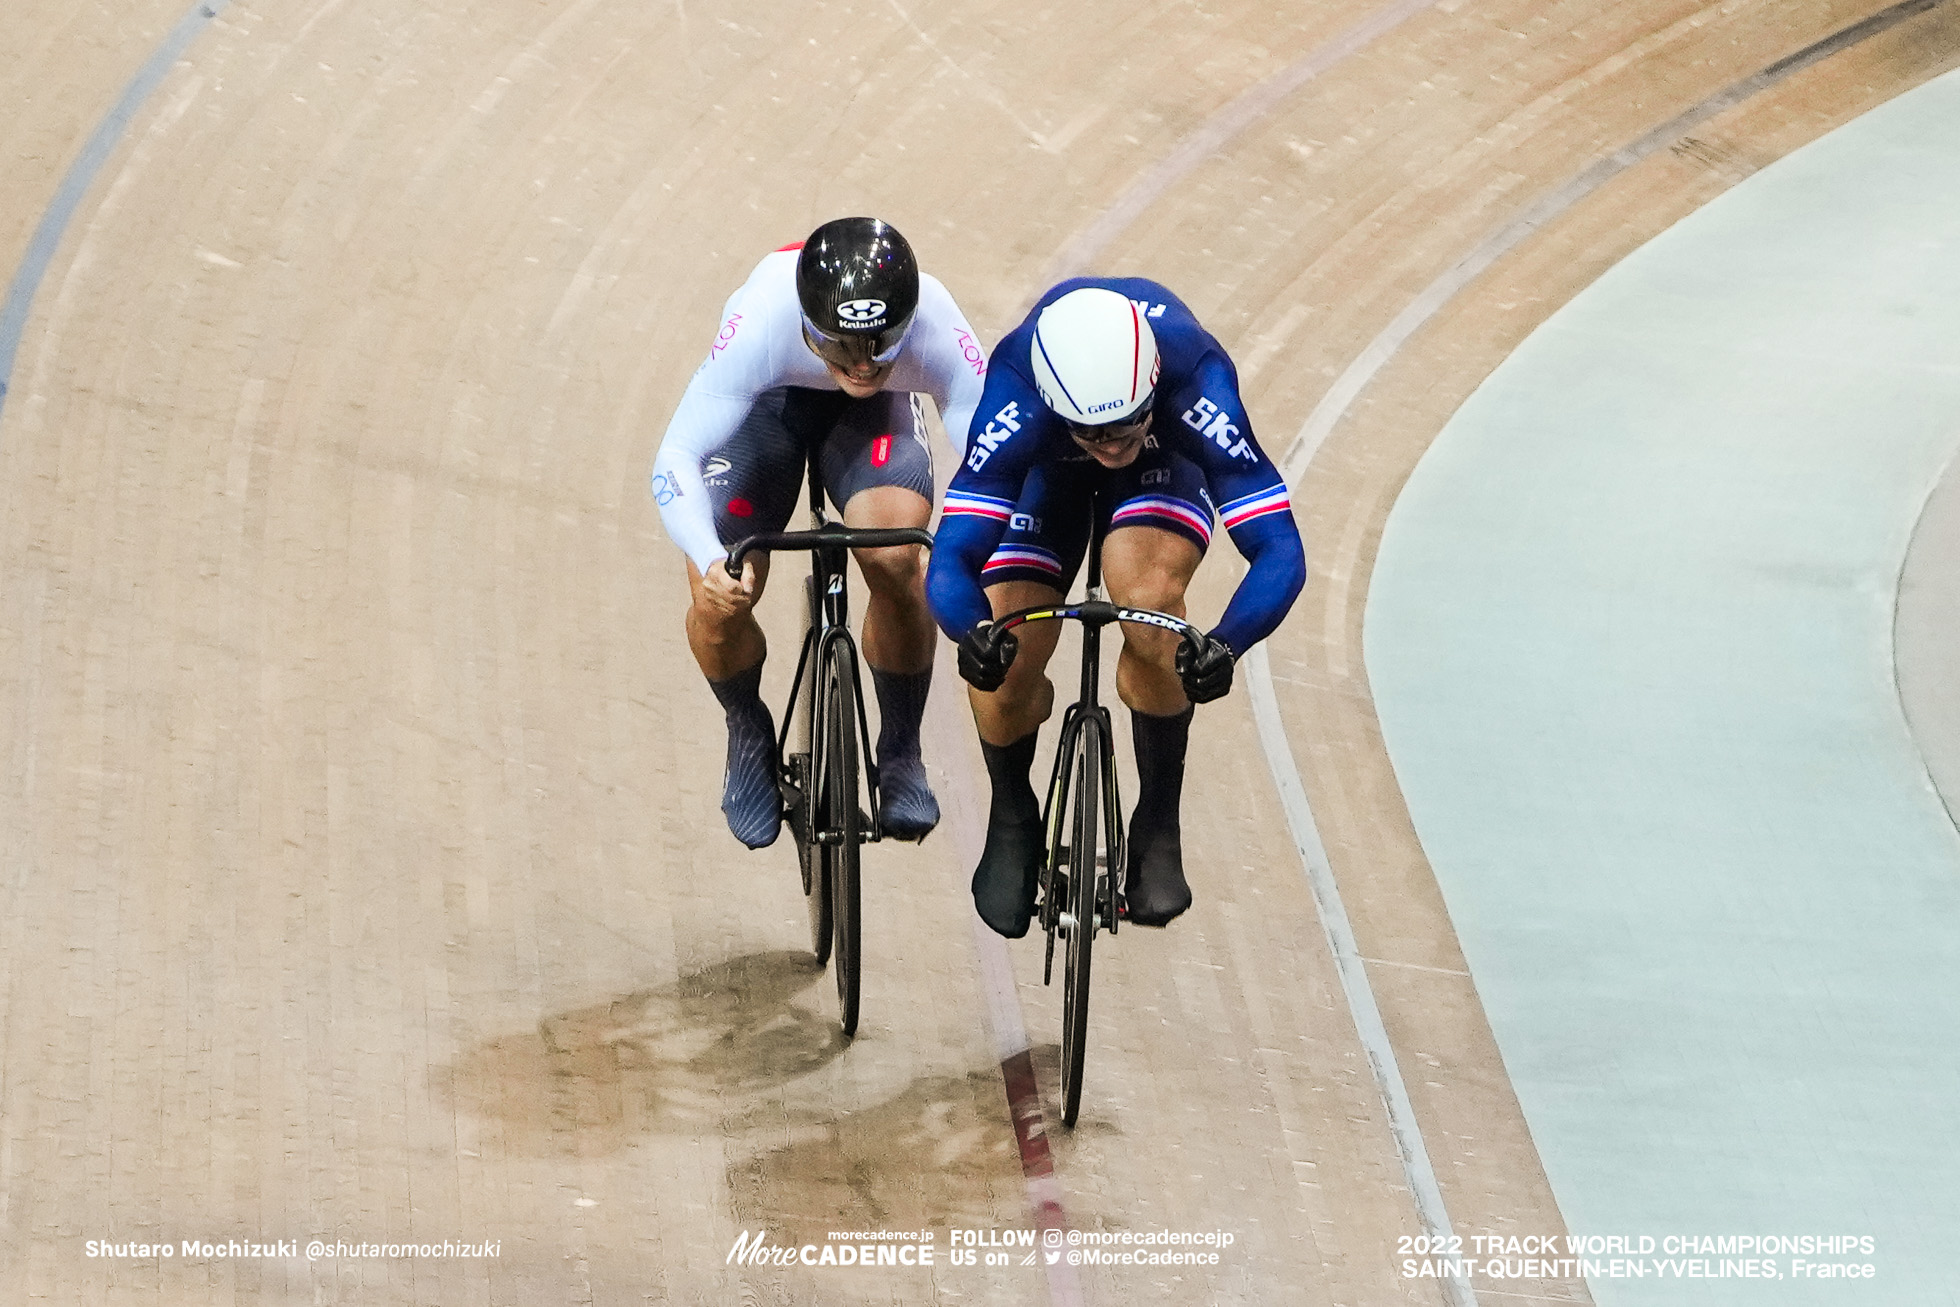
x: 1086, y: 714
x: 828, y: 628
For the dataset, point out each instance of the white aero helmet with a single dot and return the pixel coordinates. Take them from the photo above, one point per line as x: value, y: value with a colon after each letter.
x: 1094, y: 357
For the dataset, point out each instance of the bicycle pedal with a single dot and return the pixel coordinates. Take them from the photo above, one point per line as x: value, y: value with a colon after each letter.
x: 789, y: 783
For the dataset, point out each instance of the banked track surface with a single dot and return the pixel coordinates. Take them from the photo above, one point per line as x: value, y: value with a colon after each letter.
x: 365, y: 874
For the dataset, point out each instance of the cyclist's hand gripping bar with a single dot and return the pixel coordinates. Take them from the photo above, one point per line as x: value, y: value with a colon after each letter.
x: 986, y: 652
x: 829, y: 537
x: 1206, y: 672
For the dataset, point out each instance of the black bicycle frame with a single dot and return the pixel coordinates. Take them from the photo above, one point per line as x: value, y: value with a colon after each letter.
x: 1088, y: 708
x: 1093, y: 613
x: 829, y: 544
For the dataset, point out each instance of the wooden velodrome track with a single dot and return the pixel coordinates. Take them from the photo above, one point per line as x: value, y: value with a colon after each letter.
x: 364, y: 877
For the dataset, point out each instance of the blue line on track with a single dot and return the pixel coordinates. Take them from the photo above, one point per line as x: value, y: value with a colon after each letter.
x: 81, y: 175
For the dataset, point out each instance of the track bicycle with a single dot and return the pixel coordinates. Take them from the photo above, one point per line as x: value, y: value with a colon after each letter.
x: 824, y: 735
x: 1083, y: 815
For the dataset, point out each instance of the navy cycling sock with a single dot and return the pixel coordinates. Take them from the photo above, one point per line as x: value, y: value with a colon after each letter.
x: 1007, y: 767
x: 1004, y: 882
x: 1160, y: 743
x: 1155, y: 890
x: 901, y: 707
x: 750, y: 798
x: 907, y: 809
x: 741, y: 694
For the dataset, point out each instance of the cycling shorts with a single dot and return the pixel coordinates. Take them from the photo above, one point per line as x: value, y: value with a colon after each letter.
x: 755, y: 477
x: 1048, y: 533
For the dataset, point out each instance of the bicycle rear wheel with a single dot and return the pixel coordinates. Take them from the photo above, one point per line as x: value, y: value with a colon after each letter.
x: 840, y: 821
x: 808, y: 817
x: 1085, y: 830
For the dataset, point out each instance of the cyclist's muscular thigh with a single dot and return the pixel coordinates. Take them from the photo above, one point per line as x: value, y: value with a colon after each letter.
x: 1147, y: 567
x: 879, y: 469
x: 751, y: 481
x: 898, y: 632
x: 897, y: 573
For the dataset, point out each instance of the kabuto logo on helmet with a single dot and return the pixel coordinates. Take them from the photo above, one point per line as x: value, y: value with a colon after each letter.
x: 862, y: 312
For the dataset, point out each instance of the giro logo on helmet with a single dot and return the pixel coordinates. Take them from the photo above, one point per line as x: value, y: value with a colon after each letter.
x: 863, y: 311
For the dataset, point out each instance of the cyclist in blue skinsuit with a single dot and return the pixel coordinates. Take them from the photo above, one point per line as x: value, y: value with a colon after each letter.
x: 1109, y: 387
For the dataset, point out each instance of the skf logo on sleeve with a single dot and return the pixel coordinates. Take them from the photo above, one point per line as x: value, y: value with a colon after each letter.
x: 1005, y: 423
x: 1205, y: 418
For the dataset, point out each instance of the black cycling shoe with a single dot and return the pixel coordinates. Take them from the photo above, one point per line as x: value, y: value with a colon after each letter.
x: 1155, y: 891
x: 1004, y: 882
x: 907, y: 809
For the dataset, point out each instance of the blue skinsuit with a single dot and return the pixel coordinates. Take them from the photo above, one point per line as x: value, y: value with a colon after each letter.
x: 1200, y: 439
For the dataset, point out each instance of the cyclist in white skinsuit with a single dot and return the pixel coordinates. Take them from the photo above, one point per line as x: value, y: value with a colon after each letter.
x: 828, y: 341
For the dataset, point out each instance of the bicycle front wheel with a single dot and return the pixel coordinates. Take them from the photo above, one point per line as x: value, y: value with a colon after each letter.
x: 807, y: 818
x: 1085, y: 829
x: 840, y: 821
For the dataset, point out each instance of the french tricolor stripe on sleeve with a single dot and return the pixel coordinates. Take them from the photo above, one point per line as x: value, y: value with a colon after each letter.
x: 1145, y: 506
x: 963, y: 504
x: 1240, y: 511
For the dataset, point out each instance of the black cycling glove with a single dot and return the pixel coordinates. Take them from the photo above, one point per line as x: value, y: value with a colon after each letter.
x: 1207, y: 675
x: 986, y: 654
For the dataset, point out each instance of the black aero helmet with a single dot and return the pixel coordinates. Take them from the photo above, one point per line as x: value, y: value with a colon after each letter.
x: 858, y: 284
